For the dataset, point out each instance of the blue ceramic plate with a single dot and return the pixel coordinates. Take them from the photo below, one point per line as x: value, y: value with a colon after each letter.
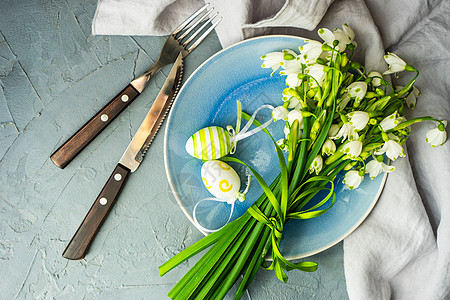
x: 209, y: 98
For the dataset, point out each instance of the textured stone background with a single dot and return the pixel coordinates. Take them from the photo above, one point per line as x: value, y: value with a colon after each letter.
x: 53, y: 77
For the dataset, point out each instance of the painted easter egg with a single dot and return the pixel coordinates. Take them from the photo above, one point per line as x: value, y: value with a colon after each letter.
x: 221, y: 180
x: 209, y: 143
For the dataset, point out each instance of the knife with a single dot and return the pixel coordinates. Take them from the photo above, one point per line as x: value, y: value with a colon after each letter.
x: 130, y: 161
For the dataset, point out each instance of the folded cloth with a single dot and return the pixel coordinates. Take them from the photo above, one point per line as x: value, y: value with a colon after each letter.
x: 402, y: 250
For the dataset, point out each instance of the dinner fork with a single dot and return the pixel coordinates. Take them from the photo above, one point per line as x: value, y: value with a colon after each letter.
x: 184, y: 39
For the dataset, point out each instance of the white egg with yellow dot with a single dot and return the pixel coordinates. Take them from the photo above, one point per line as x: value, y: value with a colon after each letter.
x: 221, y: 180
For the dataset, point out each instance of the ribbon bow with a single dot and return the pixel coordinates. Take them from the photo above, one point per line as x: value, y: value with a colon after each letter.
x: 238, y: 134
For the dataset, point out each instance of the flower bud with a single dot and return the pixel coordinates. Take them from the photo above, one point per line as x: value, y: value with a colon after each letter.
x: 370, y: 95
x: 355, y: 65
x: 316, y: 125
x: 306, y: 114
x: 321, y: 61
x: 379, y: 158
x: 325, y: 47
x: 350, y: 46
x: 310, y: 93
x: 288, y: 56
x: 344, y: 60
x: 350, y: 165
x: 301, y: 76
x: 410, y: 68
x: 380, y: 92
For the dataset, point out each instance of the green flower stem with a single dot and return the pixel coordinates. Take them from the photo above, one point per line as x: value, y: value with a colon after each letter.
x: 301, y: 157
x: 293, y: 137
x: 409, y: 86
x: 199, y: 246
x: 328, y: 171
x: 250, y: 243
x: 305, y: 201
x: 317, y: 145
x: 412, y: 121
x: 186, y: 286
x: 255, y: 263
x: 227, y: 261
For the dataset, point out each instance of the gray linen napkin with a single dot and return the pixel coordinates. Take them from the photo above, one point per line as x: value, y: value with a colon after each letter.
x: 402, y: 250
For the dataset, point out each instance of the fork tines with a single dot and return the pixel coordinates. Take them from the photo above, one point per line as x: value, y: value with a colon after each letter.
x: 202, y: 21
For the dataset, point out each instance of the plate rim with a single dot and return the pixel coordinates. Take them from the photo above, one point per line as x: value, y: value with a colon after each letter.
x: 177, y: 196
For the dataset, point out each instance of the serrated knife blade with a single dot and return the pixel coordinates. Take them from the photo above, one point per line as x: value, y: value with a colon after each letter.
x: 130, y: 161
x: 137, y: 148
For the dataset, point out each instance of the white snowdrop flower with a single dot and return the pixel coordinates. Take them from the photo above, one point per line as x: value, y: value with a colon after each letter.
x: 349, y: 32
x: 291, y: 69
x: 292, y: 80
x: 316, y: 71
x: 328, y: 147
x: 279, y: 113
x: 294, y: 103
x: 272, y: 60
x: 357, y: 90
x: 375, y: 167
x: 395, y: 63
x: 316, y: 165
x: 293, y: 115
x: 352, y: 149
x: 310, y: 51
x: 392, y: 149
x: 437, y: 136
x: 391, y: 121
x: 346, y: 131
x: 327, y: 36
x: 411, y: 99
x: 353, y: 179
x: 358, y: 119
x: 376, y: 78
x: 344, y: 36
x: 334, y: 129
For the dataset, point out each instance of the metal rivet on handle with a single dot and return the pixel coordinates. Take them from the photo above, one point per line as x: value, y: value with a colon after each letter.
x: 125, y: 98
x: 104, y: 117
x: 103, y: 201
x: 117, y: 177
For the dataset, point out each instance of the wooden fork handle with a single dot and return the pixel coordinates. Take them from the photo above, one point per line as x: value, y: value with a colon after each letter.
x: 70, y: 149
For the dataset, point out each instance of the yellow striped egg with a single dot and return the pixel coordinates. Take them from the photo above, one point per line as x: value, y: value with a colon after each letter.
x: 209, y: 143
x: 221, y: 180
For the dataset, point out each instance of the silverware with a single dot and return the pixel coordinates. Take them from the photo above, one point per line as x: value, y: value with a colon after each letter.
x: 130, y: 161
x: 182, y: 40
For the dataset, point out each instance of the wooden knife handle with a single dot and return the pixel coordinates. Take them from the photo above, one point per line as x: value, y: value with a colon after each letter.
x: 93, y: 127
x: 78, y: 246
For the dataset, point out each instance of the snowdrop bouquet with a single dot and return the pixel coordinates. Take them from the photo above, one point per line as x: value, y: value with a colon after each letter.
x: 367, y: 122
x: 338, y: 117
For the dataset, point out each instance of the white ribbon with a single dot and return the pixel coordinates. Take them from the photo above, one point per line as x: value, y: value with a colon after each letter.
x: 237, y: 135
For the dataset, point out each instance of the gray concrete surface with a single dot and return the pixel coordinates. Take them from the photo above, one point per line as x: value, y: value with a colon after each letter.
x: 54, y: 75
